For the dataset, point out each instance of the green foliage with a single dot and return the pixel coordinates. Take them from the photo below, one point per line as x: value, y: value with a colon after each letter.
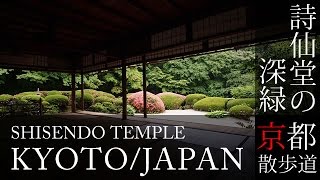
x: 98, y: 107
x: 5, y: 98
x: 172, y: 101
x: 130, y: 110
x: 243, y: 92
x: 3, y: 73
x: 113, y: 79
x: 96, y: 93
x: 108, y: 107
x: 66, y: 93
x: 32, y: 98
x: 21, y: 95
x: 53, y: 92
x: 50, y: 108
x: 241, y: 111
x: 217, y: 114
x: 111, y: 107
x: 212, y: 74
x: 162, y: 81
x: 41, y: 77
x: 247, y: 101
x: 87, y: 98
x: 102, y: 99
x: 211, y: 104
x: 60, y: 101
x: 191, y: 99
x: 118, y: 101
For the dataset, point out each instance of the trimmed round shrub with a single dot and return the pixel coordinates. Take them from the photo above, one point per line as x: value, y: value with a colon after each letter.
x: 247, y: 101
x: 66, y: 93
x: 21, y: 95
x: 44, y: 93
x: 211, y: 104
x: 102, y: 99
x: 60, y: 101
x: 172, y: 100
x: 87, y: 98
x: 217, y: 114
x: 243, y: 92
x: 241, y: 111
x: 54, y: 92
x: 191, y: 99
x: 154, y: 103
x: 31, y: 98
x: 5, y: 98
x: 96, y: 93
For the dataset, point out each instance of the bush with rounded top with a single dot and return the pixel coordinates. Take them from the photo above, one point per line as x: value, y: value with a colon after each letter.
x: 21, y: 95
x: 66, y: 93
x: 32, y: 98
x: 243, y: 92
x: 172, y: 100
x: 191, y: 99
x: 5, y: 98
x: 211, y: 104
x: 96, y: 93
x: 60, y: 101
x: 241, y: 111
x: 102, y: 99
x: 87, y: 98
x: 247, y: 101
x: 154, y: 103
x: 53, y: 92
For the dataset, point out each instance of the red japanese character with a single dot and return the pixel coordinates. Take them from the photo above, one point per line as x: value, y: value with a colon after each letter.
x: 270, y: 135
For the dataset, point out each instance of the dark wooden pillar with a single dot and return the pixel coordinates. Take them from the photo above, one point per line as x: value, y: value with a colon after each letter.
x: 124, y: 90
x: 73, y: 92
x: 82, y: 92
x: 144, y: 79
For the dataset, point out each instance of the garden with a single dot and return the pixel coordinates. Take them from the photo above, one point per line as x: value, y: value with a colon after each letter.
x: 219, y: 85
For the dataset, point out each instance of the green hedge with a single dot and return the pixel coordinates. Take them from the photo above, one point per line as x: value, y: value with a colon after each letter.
x: 21, y: 95
x: 171, y: 101
x: 102, y: 99
x: 60, y: 101
x: 87, y: 98
x: 241, y: 111
x: 96, y: 93
x: 248, y: 101
x: 66, y: 93
x: 5, y: 98
x: 243, y: 92
x: 54, y: 92
x: 32, y: 98
x: 211, y: 104
x: 191, y: 99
